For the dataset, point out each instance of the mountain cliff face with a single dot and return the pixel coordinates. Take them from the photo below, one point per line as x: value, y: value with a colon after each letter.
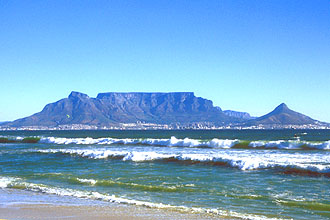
x: 282, y: 115
x: 113, y: 108
x: 182, y: 108
x: 78, y: 108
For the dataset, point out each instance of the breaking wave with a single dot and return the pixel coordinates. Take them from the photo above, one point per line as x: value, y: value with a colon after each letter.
x: 162, y: 187
x: 187, y: 142
x: 309, y: 164
x: 18, y: 183
x: 158, y: 188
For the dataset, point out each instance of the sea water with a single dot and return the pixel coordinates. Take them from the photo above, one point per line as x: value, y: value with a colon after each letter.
x: 249, y: 174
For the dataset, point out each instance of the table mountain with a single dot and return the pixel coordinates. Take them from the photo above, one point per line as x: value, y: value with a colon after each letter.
x: 174, y: 108
x: 113, y: 108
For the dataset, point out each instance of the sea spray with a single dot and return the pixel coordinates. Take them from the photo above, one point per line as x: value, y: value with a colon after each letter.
x: 318, y: 163
x: 187, y: 142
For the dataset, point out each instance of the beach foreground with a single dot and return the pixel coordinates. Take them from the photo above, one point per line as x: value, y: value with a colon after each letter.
x: 20, y: 204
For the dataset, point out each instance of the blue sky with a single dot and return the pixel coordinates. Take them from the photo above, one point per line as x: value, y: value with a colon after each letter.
x: 243, y: 55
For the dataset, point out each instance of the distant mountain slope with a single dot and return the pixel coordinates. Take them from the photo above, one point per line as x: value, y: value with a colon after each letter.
x: 175, y: 108
x: 282, y: 115
x: 78, y: 108
x: 236, y: 114
x: 113, y: 108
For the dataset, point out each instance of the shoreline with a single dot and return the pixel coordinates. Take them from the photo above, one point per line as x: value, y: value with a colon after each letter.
x: 226, y: 128
x: 21, y: 204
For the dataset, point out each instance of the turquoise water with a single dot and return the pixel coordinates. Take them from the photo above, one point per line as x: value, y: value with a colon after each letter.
x: 280, y: 174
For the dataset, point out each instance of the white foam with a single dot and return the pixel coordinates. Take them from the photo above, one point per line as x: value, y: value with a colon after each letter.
x: 172, y: 142
x: 281, y: 144
x: 188, y: 142
x: 12, y: 182
x: 6, y: 181
x: 145, y: 156
x: 221, y: 143
x: 241, y: 159
x: 321, y: 146
x: 89, y: 181
x: 91, y: 153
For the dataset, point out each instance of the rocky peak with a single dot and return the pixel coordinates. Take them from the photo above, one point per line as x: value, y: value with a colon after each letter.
x: 77, y: 95
x: 282, y: 106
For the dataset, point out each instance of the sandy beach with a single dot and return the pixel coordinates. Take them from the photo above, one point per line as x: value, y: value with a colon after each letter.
x: 49, y: 211
x: 19, y: 204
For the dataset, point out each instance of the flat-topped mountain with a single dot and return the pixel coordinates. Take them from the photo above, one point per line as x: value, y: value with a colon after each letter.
x: 282, y: 115
x: 236, y: 114
x: 174, y: 108
x: 113, y: 108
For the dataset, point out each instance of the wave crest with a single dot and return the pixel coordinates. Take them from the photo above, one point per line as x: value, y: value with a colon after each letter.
x: 316, y: 163
x: 187, y: 142
x: 17, y: 183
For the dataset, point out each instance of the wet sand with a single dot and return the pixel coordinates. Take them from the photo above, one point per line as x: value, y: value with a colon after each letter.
x: 47, y: 211
x: 19, y: 204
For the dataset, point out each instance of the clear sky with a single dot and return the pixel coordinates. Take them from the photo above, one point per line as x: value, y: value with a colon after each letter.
x: 243, y: 55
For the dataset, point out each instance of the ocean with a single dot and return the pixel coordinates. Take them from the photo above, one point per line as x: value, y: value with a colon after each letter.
x: 247, y: 174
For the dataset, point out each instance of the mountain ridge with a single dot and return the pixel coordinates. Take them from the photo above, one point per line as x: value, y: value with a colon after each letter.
x: 114, y: 108
x: 237, y: 114
x: 282, y: 115
x: 180, y: 108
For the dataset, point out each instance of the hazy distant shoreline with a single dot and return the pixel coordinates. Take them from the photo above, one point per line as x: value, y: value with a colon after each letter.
x: 161, y: 127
